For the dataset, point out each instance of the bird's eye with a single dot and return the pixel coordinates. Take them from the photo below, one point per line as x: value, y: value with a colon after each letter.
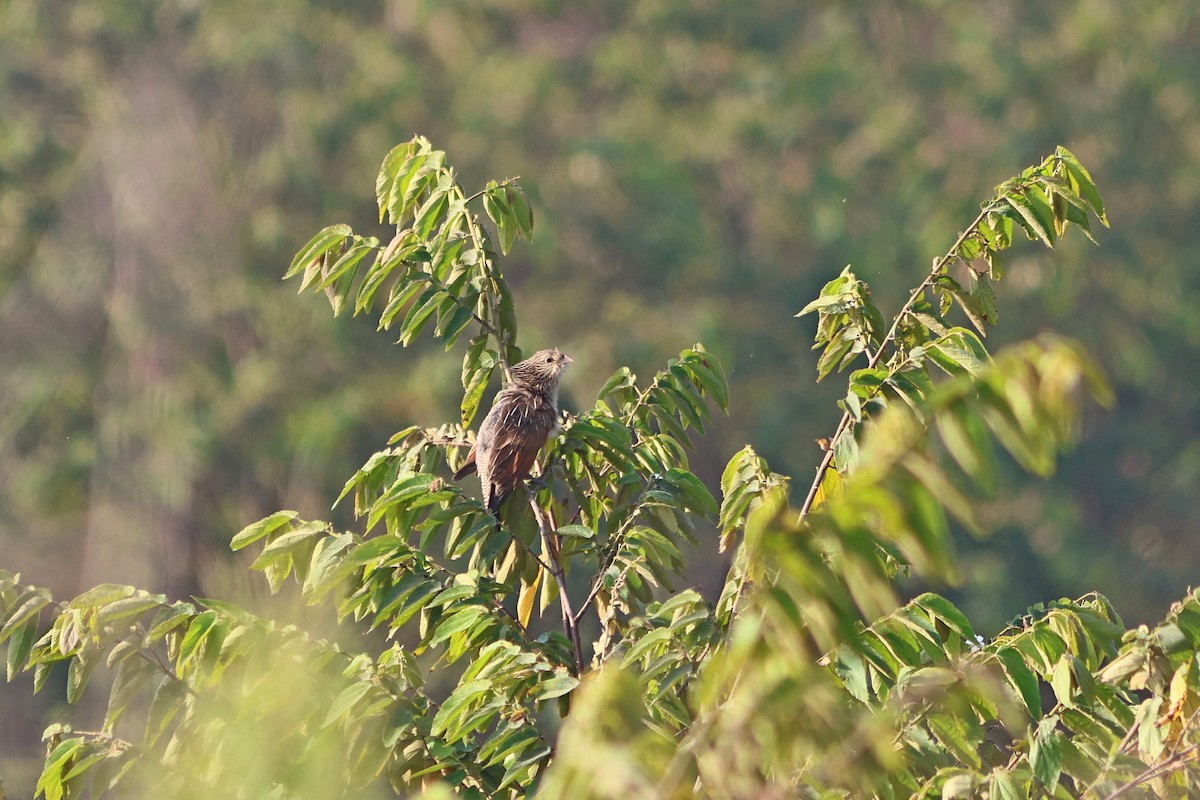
x: 549, y: 359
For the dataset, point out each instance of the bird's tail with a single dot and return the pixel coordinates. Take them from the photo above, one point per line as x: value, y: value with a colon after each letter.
x: 468, y: 466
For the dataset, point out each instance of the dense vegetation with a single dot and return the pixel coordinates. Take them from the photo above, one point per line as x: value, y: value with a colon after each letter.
x: 698, y: 172
x: 807, y: 675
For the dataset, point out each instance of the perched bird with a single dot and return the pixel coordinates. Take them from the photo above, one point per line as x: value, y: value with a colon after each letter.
x: 521, y: 418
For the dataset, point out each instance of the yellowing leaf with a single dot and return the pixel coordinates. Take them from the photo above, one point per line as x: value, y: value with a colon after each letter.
x: 526, y: 597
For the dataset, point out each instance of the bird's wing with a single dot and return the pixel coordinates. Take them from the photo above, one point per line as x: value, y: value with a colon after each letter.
x: 510, y: 438
x: 513, y: 458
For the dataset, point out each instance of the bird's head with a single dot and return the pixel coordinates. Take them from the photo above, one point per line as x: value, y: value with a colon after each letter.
x: 542, y: 370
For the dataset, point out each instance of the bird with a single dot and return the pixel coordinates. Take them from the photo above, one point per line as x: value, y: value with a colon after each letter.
x: 520, y: 420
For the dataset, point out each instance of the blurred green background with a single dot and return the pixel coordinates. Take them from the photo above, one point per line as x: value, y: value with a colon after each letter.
x: 698, y: 170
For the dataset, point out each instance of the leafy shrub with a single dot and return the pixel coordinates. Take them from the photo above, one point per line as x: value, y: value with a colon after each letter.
x: 550, y: 652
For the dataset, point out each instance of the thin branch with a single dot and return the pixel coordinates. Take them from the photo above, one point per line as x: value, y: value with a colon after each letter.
x: 1176, y: 761
x: 570, y: 622
x: 939, y: 267
x: 485, y: 190
x: 613, y: 547
x: 529, y: 550
x: 493, y: 288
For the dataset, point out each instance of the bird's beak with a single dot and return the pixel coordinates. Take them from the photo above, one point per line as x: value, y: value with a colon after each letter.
x: 566, y: 359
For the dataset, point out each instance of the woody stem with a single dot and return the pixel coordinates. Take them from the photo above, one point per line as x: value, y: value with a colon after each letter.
x: 570, y: 624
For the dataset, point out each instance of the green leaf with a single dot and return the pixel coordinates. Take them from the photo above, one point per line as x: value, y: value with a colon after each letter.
x: 167, y: 702
x: 495, y: 202
x: 506, y: 742
x: 459, y: 701
x: 698, y: 497
x: 168, y: 619
x: 943, y: 609
x: 556, y: 687
x: 450, y: 326
x: 578, y: 531
x: 825, y: 305
x: 1035, y: 216
x: 430, y: 215
x: 712, y: 378
x: 960, y: 350
x: 1060, y: 681
x: 960, y: 784
x: 1020, y: 676
x: 345, y: 700
x: 1087, y: 187
x: 420, y: 313
x: 385, y: 181
x: 51, y: 779
x: 196, y: 632
x: 621, y: 379
x: 1045, y: 753
x: 20, y: 646
x: 34, y: 603
x: 78, y: 674
x: 294, y: 542
x: 254, y: 532
x: 1004, y: 786
x: 325, y: 240
x: 518, y: 767
x: 406, y: 487
x: 402, y: 292
x: 522, y: 212
x: 127, y: 607
x: 349, y: 261
x: 456, y: 623
x: 473, y: 394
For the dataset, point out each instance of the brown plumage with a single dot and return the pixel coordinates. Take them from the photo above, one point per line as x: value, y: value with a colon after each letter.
x: 514, y: 430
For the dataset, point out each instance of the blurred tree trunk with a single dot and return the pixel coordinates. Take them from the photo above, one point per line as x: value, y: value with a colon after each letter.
x: 149, y: 433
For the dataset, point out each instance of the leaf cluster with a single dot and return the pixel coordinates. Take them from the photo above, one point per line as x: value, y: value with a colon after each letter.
x: 808, y: 676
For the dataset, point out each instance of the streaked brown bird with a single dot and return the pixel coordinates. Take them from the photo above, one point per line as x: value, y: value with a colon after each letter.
x: 521, y: 418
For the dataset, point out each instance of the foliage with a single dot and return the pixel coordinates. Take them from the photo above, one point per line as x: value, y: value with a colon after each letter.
x: 808, y: 675
x: 697, y: 169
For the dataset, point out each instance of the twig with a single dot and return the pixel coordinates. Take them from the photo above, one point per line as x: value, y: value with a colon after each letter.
x: 614, y: 547
x: 485, y: 190
x: 938, y: 267
x: 493, y: 288
x: 570, y: 623
x: 1174, y: 758
x: 1156, y: 771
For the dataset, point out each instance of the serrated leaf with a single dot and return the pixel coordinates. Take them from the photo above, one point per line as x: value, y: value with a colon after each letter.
x: 1045, y: 753
x: 1036, y: 217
